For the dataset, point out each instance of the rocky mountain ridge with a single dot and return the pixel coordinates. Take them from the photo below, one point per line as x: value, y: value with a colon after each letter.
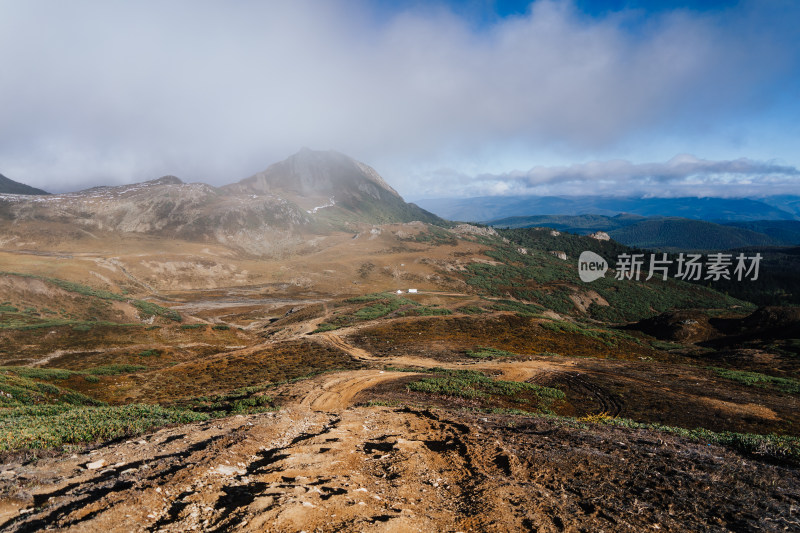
x: 311, y: 192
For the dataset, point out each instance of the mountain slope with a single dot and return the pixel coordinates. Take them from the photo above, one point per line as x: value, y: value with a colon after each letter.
x: 685, y: 234
x: 786, y: 232
x: 580, y: 224
x: 9, y: 186
x: 309, y: 194
x: 671, y: 232
x: 322, y: 182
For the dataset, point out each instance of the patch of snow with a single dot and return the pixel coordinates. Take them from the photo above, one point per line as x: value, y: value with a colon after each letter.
x: 330, y: 203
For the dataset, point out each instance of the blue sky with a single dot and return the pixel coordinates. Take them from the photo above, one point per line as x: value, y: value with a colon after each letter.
x: 450, y: 98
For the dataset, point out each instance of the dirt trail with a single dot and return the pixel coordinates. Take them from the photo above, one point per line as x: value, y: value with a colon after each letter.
x: 357, y: 353
x: 334, y: 392
x: 512, y: 371
x: 338, y: 390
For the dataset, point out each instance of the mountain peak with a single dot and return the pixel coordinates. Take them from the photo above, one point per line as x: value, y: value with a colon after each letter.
x: 165, y: 180
x: 316, y: 180
x: 315, y: 173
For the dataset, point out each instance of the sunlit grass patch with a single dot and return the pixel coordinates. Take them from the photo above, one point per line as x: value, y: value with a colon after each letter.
x: 475, y: 385
x: 49, y: 426
x: 754, y: 379
x: 609, y: 337
x: 19, y: 390
x: 144, y: 307
x: 782, y: 447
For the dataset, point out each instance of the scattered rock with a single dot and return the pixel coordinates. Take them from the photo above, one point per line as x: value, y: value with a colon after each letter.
x: 96, y: 464
x: 469, y: 229
x: 227, y: 470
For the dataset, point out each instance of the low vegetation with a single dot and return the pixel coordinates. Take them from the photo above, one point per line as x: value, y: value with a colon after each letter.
x: 97, y: 304
x: 609, y: 337
x: 755, y: 379
x: 51, y: 426
x: 536, y: 280
x: 475, y: 385
x: 781, y: 447
x: 485, y: 352
x: 245, y: 400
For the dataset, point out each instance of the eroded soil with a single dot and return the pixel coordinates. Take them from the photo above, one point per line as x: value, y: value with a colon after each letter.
x: 398, y: 469
x: 353, y: 449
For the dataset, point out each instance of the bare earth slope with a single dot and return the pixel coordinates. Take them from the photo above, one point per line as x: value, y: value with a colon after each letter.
x: 383, y: 469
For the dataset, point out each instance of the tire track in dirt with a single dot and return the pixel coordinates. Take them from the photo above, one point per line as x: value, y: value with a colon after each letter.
x: 356, y: 353
x: 375, y: 469
x: 401, y: 469
x: 338, y: 390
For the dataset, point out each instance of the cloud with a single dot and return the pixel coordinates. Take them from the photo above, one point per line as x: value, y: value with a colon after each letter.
x: 683, y: 175
x: 102, y: 91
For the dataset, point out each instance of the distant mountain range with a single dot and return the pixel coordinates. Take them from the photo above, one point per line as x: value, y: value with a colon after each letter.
x: 669, y: 233
x: 9, y: 186
x: 313, y: 192
x: 492, y: 208
x: 309, y: 193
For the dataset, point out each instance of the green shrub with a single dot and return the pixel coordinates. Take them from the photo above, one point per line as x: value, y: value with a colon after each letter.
x: 151, y: 309
x: 754, y: 379
x: 471, y: 384
x: 47, y: 374
x: 471, y: 310
x: 50, y: 426
x: 114, y: 370
x: 485, y: 352
x: 324, y: 326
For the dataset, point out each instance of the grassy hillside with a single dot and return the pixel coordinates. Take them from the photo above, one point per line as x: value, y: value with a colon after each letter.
x: 685, y: 234
x: 533, y: 280
x: 29, y: 302
x: 665, y: 233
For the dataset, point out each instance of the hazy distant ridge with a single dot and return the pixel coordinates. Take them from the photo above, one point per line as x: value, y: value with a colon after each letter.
x: 488, y: 208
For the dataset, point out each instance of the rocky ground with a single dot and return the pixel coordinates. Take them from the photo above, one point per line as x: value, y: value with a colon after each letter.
x: 400, y: 469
